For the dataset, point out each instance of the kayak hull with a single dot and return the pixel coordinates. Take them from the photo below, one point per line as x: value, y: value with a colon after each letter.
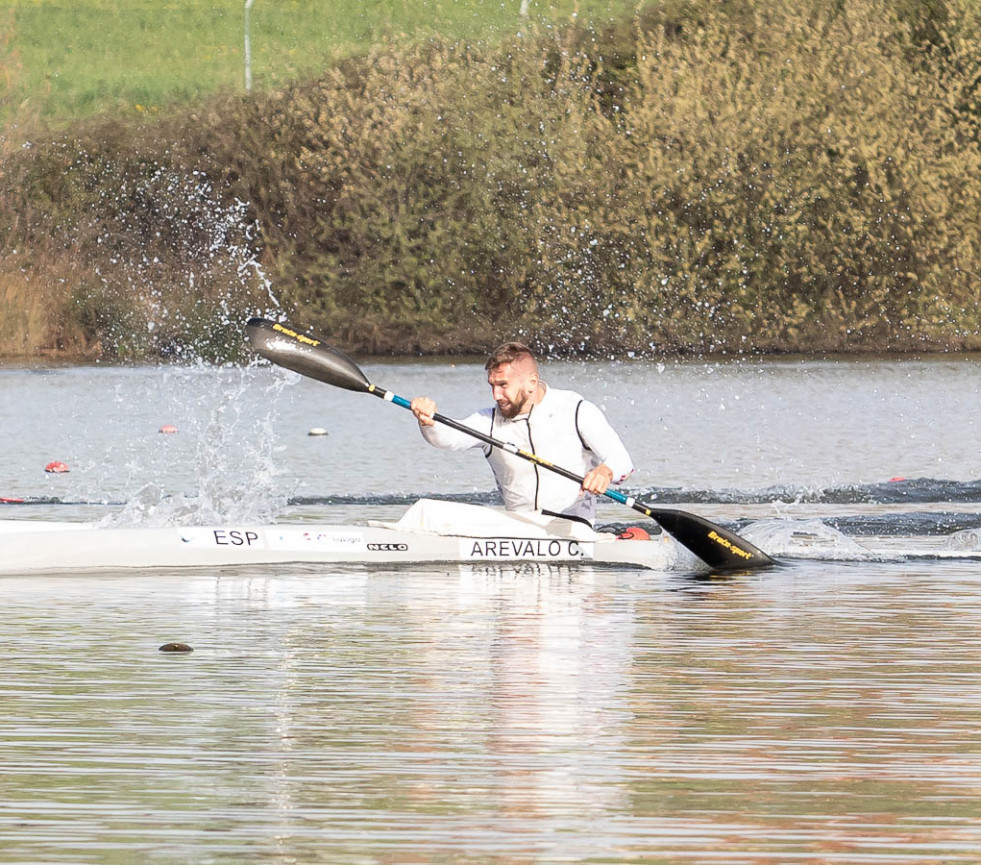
x: 33, y: 546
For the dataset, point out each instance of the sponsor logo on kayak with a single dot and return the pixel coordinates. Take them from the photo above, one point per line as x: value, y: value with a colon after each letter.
x: 512, y: 548
x: 332, y: 539
x: 325, y: 541
x: 388, y: 548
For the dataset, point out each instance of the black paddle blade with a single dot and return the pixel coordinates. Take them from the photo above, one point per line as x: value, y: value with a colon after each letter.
x: 304, y: 353
x: 717, y: 547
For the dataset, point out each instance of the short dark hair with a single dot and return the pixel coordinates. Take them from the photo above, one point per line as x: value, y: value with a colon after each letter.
x: 509, y: 352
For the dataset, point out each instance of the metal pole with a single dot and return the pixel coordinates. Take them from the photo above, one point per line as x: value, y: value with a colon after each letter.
x: 248, y: 48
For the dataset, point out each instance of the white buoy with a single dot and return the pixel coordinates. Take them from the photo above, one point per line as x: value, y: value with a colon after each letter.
x: 317, y: 431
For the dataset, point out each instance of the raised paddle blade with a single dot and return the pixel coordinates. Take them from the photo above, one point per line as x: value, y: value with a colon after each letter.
x: 717, y: 547
x: 305, y: 353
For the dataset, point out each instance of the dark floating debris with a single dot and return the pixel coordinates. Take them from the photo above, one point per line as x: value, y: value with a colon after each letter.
x: 176, y: 647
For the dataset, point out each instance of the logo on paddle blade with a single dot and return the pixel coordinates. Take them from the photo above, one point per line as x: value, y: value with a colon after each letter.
x: 299, y: 337
x: 729, y: 545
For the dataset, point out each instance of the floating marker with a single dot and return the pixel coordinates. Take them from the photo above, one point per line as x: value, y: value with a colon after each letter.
x: 634, y: 533
x: 4, y: 500
x: 896, y: 480
x: 56, y: 467
x: 317, y: 431
x: 168, y: 428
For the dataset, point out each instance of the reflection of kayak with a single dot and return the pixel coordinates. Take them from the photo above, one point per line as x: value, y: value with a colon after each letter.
x: 429, y: 532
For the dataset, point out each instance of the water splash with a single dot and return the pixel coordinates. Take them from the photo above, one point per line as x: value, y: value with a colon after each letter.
x: 965, y: 541
x: 810, y: 539
x: 231, y: 453
x: 179, y: 266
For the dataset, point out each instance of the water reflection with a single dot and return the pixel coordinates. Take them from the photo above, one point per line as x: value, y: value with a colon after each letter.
x: 825, y: 711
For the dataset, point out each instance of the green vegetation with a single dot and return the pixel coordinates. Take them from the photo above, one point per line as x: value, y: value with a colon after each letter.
x: 73, y: 58
x: 756, y: 176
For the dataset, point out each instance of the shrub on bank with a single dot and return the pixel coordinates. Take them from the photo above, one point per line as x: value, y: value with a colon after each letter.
x: 785, y: 177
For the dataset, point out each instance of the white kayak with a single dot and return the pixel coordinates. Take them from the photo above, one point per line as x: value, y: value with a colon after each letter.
x: 429, y: 532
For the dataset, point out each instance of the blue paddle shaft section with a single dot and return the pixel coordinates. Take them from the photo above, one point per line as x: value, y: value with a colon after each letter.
x: 401, y: 400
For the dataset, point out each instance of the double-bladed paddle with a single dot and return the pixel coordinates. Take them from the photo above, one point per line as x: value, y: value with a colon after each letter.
x: 310, y: 356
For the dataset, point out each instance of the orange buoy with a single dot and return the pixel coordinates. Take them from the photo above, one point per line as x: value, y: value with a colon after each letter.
x: 896, y: 480
x: 634, y: 533
x: 168, y: 428
x: 56, y: 467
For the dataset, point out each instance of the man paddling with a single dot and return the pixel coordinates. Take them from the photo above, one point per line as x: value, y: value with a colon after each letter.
x: 557, y: 425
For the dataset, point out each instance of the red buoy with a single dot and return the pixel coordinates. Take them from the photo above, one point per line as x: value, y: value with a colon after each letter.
x: 168, y: 428
x: 56, y: 467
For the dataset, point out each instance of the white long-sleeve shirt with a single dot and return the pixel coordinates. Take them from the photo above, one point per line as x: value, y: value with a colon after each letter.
x: 564, y: 429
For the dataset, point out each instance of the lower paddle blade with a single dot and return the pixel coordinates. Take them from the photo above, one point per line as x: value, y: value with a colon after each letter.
x: 717, y: 547
x: 304, y: 353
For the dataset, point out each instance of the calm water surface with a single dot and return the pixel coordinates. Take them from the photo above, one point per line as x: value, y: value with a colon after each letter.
x: 825, y: 711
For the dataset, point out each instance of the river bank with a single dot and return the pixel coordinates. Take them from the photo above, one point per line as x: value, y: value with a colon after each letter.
x: 767, y: 180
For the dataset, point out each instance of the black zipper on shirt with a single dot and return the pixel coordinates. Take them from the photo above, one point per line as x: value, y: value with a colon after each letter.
x: 531, y: 444
x: 582, y: 441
